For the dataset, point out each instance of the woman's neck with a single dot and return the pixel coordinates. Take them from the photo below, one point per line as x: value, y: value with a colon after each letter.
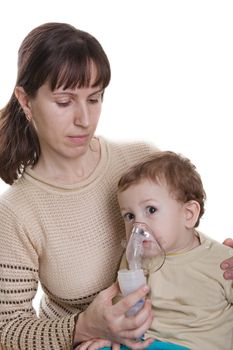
x: 69, y: 171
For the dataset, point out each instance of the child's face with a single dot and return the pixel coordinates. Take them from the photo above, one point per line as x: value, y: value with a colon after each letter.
x: 153, y: 204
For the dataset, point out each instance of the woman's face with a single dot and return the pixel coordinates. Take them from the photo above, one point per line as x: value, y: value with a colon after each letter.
x: 65, y: 120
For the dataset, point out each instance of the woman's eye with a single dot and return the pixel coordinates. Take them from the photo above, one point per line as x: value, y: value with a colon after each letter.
x: 63, y: 104
x: 151, y: 210
x: 94, y: 100
x: 128, y: 217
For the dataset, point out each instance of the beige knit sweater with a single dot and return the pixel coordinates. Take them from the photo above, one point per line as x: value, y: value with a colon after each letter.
x: 66, y: 237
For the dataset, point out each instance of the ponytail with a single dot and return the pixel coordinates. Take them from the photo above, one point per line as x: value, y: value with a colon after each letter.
x: 19, y: 144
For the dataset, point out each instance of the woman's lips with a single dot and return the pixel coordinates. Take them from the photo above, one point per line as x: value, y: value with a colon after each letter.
x: 78, y: 139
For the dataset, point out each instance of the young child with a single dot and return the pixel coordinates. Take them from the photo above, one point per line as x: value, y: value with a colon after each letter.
x: 192, y: 303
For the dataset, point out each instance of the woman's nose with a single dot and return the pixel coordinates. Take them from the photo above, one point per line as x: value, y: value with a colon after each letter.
x: 81, y: 115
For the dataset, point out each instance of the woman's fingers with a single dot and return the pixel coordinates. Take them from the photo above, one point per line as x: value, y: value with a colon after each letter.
x: 144, y: 316
x: 128, y: 301
x: 135, y: 327
x: 109, y: 293
x: 84, y: 345
x: 228, y: 242
x: 227, y: 265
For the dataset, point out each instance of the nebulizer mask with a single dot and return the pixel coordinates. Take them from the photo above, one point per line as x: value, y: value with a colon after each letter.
x: 144, y: 255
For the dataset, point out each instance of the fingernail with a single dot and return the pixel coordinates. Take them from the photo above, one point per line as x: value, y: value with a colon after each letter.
x: 146, y: 288
x: 225, y: 266
x: 228, y: 275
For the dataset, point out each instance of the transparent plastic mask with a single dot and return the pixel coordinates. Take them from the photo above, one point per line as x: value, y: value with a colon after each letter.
x: 143, y: 251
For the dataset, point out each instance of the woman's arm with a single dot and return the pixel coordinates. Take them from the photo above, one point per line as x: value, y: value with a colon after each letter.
x: 20, y: 328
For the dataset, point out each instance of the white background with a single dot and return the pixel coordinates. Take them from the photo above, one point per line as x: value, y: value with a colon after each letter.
x: 172, y: 79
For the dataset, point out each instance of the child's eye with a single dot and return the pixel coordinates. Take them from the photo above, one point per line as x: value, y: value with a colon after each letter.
x: 128, y: 217
x: 151, y: 210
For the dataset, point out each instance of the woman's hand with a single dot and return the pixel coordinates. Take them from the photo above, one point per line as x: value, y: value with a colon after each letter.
x: 103, y: 320
x: 227, y: 265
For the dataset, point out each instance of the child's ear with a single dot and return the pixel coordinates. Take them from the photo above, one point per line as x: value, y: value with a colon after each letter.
x: 192, y: 211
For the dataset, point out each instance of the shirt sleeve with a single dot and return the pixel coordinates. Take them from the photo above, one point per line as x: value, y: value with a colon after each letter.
x: 20, y: 328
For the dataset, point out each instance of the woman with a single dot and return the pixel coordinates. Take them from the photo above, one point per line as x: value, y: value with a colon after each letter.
x: 60, y: 222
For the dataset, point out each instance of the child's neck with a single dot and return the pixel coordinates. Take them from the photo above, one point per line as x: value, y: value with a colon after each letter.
x: 192, y: 243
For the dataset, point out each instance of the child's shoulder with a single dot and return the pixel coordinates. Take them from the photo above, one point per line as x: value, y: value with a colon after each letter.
x: 218, y: 250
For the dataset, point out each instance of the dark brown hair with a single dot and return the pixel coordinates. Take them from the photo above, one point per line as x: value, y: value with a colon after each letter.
x: 57, y: 53
x: 179, y: 174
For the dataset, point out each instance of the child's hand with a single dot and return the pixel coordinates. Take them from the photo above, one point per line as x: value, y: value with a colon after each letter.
x: 96, y: 344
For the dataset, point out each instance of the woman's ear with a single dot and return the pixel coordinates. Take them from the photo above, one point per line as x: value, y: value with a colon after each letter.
x: 24, y: 101
x: 192, y: 211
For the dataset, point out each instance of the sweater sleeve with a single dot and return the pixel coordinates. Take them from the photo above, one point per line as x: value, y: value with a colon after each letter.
x: 20, y: 328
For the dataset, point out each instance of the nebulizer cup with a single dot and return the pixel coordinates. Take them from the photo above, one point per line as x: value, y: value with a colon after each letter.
x: 144, y: 255
x: 129, y: 281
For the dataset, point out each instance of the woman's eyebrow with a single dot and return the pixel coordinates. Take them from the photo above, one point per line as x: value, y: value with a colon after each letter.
x: 67, y: 92
x: 96, y: 92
